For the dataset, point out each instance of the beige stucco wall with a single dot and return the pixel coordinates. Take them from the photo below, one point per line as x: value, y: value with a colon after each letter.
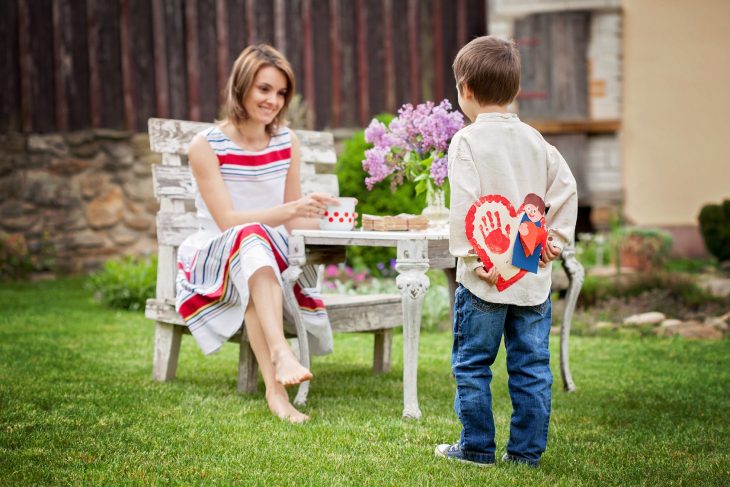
x: 676, y: 109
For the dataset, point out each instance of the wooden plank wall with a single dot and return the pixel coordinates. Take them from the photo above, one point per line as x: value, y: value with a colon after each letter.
x: 77, y: 64
x: 554, y: 84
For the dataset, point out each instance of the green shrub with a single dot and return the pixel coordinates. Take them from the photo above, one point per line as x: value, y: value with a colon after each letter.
x: 126, y: 283
x: 15, y: 259
x: 715, y: 228
x: 680, y: 288
x: 19, y: 258
x: 690, y: 266
x: 380, y: 201
x: 593, y: 249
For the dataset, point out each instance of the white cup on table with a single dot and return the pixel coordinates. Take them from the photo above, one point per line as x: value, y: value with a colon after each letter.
x: 340, y: 216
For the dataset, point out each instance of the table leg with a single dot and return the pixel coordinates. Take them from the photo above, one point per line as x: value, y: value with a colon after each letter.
x: 411, y: 265
x: 297, y: 258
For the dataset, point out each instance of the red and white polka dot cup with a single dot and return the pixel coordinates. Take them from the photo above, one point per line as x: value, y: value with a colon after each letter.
x: 339, y: 217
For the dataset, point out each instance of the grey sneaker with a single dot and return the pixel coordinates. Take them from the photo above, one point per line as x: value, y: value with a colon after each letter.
x: 453, y: 452
x: 507, y: 458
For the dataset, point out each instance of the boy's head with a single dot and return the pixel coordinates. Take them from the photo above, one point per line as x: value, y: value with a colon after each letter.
x: 489, y: 69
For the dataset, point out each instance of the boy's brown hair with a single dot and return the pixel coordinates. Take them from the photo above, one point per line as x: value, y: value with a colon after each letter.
x: 240, y: 82
x: 490, y: 68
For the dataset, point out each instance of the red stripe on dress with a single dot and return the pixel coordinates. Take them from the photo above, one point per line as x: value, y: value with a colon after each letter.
x: 196, y: 301
x: 254, y: 160
x: 307, y: 301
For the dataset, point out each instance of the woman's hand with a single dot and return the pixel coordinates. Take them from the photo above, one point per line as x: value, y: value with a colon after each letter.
x: 312, y: 206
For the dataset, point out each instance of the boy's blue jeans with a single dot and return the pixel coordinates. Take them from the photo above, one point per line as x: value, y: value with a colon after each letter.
x: 478, y: 329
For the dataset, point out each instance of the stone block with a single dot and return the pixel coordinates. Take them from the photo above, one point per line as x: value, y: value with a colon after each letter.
x: 120, y: 153
x: 141, y: 144
x: 137, y: 217
x: 112, y: 134
x: 69, y: 166
x: 139, y: 189
x: 650, y: 318
x: 13, y: 143
x: 692, y: 330
x: 52, y: 144
x: 17, y: 215
x: 123, y: 236
x: 106, y: 209
x: 79, y: 137
x: 88, y: 149
x: 93, y: 183
x: 48, y: 189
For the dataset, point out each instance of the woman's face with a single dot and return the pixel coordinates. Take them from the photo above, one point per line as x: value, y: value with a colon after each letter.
x: 266, y: 97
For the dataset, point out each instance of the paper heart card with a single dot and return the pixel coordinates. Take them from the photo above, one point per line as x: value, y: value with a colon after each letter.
x: 508, y: 239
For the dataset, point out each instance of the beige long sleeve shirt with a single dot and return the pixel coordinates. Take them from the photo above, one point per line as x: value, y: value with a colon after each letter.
x: 499, y: 154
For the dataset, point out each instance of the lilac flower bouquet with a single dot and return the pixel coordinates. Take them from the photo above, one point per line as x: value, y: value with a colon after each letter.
x: 413, y: 146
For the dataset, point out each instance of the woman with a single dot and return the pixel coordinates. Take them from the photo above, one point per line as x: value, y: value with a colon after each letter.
x: 249, y: 194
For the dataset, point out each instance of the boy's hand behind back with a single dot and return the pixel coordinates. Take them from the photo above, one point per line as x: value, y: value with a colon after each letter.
x: 490, y: 276
x: 549, y: 253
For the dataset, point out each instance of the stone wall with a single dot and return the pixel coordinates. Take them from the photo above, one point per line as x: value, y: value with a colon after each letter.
x: 85, y: 195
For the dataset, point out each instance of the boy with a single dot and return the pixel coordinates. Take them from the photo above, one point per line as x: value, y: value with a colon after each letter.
x: 500, y: 156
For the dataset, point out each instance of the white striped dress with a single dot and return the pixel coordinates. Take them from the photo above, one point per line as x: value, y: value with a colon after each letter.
x: 214, y: 267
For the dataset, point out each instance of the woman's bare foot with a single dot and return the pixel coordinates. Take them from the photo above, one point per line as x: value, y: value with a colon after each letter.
x: 280, y: 406
x: 287, y: 369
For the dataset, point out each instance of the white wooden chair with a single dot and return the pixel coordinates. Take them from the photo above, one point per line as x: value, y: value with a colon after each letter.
x: 173, y: 186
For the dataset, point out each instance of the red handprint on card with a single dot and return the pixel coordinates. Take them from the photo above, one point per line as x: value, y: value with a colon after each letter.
x: 496, y: 239
x: 491, y: 226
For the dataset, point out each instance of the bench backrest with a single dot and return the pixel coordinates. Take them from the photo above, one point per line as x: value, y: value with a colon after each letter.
x: 175, y: 189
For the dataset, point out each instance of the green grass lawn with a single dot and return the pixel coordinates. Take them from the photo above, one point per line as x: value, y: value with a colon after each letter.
x: 77, y: 406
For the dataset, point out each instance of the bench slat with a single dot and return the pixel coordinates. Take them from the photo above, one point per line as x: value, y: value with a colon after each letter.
x: 174, y: 227
x: 347, y: 313
x: 169, y: 136
x: 174, y: 182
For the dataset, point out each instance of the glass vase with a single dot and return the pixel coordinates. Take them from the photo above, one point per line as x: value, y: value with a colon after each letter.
x: 436, y: 210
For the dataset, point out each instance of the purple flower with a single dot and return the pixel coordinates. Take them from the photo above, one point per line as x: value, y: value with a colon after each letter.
x: 376, y: 165
x: 417, y: 133
x: 439, y: 170
x: 331, y: 271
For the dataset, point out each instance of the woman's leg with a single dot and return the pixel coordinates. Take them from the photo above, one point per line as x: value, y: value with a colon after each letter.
x: 266, y: 295
x: 276, y: 395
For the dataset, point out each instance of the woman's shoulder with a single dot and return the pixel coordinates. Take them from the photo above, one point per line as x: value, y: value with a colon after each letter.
x: 214, y: 133
x: 282, y: 136
x: 204, y: 142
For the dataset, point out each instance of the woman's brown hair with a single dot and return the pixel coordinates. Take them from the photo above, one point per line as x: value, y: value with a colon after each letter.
x: 240, y: 82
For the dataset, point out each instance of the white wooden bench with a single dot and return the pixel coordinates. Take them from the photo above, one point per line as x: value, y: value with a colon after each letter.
x: 174, y: 187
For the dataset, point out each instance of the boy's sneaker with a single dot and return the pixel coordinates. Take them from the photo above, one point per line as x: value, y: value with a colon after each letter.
x: 453, y: 452
x: 507, y: 458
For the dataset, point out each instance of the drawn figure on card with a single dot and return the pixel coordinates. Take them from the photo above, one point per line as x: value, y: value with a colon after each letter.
x: 531, y: 235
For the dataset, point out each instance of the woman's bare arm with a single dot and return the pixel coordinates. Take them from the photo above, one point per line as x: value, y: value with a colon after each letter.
x: 293, y: 213
x: 293, y: 191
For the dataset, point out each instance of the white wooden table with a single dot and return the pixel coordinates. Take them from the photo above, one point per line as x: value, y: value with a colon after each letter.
x: 416, y: 253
